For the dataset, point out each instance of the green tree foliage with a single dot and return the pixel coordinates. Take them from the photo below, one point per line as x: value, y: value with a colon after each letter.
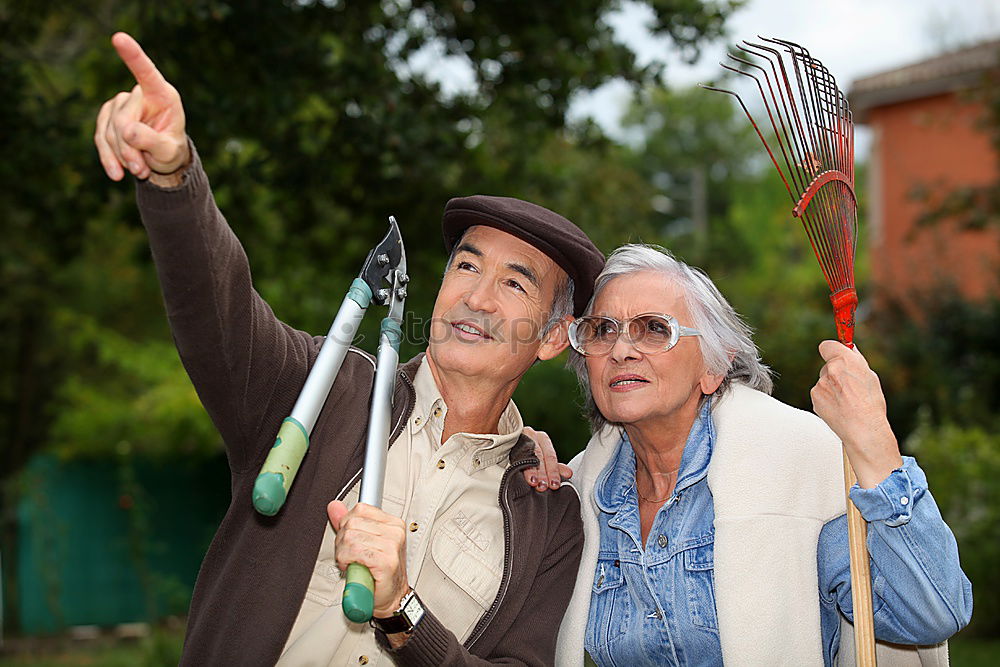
x: 314, y: 126
x: 945, y: 366
x: 965, y: 462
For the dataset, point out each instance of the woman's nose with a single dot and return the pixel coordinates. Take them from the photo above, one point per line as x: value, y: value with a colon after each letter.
x: 623, y: 350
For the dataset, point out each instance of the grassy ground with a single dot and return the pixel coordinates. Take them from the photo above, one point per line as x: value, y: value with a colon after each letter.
x: 163, y: 649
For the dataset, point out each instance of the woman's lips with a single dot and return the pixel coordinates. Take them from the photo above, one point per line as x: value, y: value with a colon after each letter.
x: 629, y: 382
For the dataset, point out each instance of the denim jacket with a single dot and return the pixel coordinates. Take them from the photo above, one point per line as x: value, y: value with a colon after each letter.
x: 654, y: 604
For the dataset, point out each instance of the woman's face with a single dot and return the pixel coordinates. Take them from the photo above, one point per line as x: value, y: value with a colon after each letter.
x: 630, y: 387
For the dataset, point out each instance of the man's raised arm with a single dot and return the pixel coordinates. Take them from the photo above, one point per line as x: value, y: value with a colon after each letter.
x: 243, y: 362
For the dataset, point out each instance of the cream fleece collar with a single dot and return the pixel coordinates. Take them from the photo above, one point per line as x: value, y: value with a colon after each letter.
x: 776, y: 478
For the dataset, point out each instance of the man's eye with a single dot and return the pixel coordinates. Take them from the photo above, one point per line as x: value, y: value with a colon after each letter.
x: 516, y: 285
x: 464, y: 266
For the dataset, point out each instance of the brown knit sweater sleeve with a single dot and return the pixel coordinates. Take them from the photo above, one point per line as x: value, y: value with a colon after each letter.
x: 243, y: 361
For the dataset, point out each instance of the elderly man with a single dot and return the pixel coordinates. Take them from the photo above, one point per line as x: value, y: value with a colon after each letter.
x: 460, y: 530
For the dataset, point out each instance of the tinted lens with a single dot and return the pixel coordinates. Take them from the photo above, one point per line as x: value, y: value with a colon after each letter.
x: 651, y: 333
x: 596, y: 335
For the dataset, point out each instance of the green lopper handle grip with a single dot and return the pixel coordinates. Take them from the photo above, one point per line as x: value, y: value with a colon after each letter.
x: 278, y: 471
x: 359, y: 594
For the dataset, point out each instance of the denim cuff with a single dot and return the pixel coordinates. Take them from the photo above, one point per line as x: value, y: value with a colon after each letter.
x: 893, y: 499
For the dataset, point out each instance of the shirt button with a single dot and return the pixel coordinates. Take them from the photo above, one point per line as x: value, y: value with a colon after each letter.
x: 417, y: 422
x: 662, y: 541
x: 904, y: 500
x: 440, y: 464
x: 475, y: 462
x: 363, y: 660
x: 413, y: 527
x: 437, y: 412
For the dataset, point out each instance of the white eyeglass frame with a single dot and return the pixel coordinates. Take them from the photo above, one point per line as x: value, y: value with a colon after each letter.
x: 676, y: 329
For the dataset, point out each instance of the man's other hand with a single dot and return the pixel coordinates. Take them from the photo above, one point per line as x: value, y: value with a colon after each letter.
x: 377, y: 540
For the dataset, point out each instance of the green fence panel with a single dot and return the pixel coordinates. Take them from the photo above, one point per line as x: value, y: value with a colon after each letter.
x: 108, y: 542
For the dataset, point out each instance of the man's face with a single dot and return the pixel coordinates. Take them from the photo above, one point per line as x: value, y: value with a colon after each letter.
x: 495, y: 297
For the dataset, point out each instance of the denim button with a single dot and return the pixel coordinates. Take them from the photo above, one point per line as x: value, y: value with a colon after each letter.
x: 662, y: 541
x: 904, y: 500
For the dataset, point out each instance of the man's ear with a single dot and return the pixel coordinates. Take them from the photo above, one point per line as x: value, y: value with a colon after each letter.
x: 556, y: 340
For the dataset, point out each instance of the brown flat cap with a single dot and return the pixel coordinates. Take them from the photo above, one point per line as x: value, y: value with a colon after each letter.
x: 557, y: 237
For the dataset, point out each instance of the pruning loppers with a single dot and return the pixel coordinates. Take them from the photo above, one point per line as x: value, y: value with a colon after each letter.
x: 383, y: 279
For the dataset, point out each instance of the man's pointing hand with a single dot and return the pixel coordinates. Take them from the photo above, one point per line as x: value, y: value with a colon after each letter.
x: 142, y: 131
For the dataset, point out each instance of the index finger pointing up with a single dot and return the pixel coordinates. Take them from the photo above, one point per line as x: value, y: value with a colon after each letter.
x: 142, y: 68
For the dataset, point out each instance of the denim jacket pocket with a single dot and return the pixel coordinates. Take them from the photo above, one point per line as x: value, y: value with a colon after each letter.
x: 699, y: 580
x: 610, y: 606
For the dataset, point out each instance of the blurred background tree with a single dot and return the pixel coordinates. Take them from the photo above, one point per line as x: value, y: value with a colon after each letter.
x: 317, y: 120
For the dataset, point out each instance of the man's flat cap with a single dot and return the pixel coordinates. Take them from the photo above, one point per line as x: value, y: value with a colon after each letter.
x: 557, y: 237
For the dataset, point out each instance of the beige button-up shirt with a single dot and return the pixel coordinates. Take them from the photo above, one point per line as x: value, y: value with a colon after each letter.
x: 446, y: 494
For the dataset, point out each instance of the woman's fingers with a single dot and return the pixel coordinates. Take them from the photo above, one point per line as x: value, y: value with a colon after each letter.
x: 549, y: 473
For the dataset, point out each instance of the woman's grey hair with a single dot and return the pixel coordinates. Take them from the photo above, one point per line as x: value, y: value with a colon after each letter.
x: 726, y: 340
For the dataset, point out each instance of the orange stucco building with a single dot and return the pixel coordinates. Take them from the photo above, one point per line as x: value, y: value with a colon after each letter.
x: 929, y: 139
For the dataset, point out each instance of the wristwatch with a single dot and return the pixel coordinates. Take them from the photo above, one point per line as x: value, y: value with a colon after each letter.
x: 404, y: 619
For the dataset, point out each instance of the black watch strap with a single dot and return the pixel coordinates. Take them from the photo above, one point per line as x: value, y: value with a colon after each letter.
x: 392, y: 625
x: 411, y: 610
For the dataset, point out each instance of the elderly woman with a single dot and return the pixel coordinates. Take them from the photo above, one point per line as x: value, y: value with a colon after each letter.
x: 714, y: 515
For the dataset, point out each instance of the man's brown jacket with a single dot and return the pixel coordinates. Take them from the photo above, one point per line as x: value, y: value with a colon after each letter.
x: 248, y: 368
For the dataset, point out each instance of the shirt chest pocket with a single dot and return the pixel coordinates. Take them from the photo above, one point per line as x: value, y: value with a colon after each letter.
x: 610, y: 606
x: 699, y: 583
x: 469, y: 558
x: 463, y: 576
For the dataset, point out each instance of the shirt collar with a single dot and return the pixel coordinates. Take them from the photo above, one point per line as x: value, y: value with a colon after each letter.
x: 617, y: 482
x: 429, y: 411
x: 429, y: 407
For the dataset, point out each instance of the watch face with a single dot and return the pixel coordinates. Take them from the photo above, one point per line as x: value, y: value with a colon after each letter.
x: 413, y: 609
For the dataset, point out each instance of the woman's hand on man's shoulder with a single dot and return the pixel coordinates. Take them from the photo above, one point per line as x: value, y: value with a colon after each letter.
x: 549, y: 474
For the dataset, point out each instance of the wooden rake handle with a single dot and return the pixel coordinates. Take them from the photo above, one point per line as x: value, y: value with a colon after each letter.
x: 861, y: 580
